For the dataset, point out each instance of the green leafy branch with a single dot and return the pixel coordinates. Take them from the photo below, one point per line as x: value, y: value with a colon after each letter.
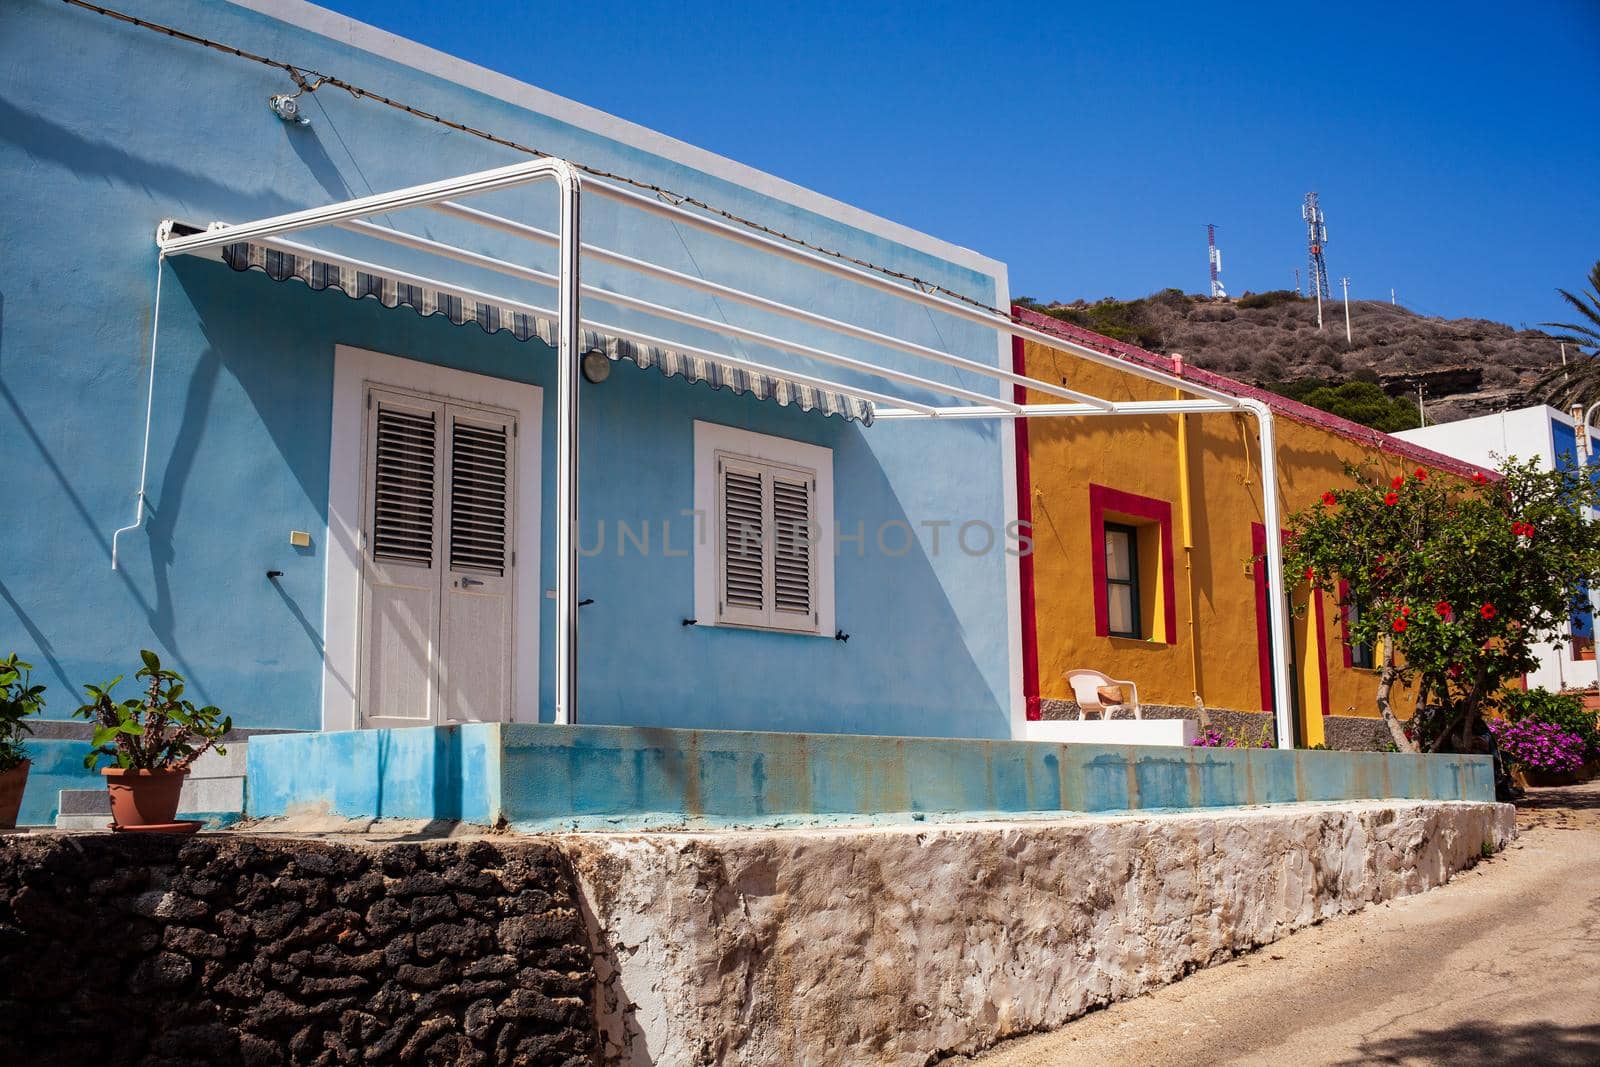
x: 157, y: 731
x: 19, y: 698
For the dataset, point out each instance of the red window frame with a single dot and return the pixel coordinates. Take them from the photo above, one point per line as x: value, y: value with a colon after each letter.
x: 1105, y: 502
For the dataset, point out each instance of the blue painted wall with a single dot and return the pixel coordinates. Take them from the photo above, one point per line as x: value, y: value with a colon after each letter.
x: 106, y: 129
x: 598, y: 777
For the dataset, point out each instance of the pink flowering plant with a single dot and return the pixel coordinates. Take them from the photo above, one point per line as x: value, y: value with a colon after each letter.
x: 1540, y: 746
x: 1456, y: 581
x: 1214, y: 738
x: 1564, y: 712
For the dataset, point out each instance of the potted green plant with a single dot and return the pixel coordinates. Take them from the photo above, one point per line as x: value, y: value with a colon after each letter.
x: 154, y: 739
x: 19, y: 698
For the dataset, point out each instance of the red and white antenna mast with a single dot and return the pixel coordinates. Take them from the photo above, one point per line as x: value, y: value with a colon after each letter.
x: 1214, y: 256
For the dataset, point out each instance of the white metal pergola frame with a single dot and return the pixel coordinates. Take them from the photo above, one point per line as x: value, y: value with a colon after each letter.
x: 443, y: 197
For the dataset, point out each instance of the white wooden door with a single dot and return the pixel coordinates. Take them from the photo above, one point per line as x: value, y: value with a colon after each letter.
x: 436, y: 621
x: 475, y: 663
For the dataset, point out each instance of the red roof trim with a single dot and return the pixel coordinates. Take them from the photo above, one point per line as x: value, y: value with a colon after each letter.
x: 1282, y: 405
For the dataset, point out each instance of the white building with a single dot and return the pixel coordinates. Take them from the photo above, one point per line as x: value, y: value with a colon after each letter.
x: 1550, y: 437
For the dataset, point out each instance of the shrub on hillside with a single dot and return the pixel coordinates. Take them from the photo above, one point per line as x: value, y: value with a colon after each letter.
x: 1354, y: 399
x: 1270, y: 298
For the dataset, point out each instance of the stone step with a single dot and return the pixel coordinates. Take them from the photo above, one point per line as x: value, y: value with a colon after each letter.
x: 212, y: 795
x: 213, y: 765
x: 74, y: 802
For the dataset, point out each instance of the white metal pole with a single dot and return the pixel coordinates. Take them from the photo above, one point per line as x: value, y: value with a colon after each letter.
x: 1282, y: 684
x: 567, y: 371
x: 1315, y: 285
x: 727, y: 329
x: 1043, y: 411
x: 597, y: 254
x: 957, y: 308
x: 378, y: 204
x: 1346, y: 283
x: 589, y: 323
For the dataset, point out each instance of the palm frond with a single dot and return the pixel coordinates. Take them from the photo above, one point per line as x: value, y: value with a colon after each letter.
x: 1578, y: 334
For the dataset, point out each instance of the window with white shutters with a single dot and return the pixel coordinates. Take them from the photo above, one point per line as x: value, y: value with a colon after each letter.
x: 766, y: 544
x: 764, y: 532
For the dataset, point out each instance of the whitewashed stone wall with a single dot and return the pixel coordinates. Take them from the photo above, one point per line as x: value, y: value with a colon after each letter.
x: 894, y: 945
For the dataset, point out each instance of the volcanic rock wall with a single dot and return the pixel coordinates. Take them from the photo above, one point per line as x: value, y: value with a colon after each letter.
x: 216, y: 950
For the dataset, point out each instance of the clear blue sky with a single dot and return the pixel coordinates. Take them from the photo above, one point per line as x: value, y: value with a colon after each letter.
x: 1456, y: 145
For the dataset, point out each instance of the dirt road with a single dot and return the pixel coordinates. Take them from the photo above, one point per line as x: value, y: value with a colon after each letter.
x: 1501, y: 966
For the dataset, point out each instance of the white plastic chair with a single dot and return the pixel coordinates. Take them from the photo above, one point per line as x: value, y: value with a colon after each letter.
x: 1085, y: 684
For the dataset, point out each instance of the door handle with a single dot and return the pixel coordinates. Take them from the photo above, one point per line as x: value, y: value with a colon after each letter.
x: 468, y: 581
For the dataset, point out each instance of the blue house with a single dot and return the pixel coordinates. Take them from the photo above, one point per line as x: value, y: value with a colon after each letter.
x: 509, y: 461
x: 348, y: 493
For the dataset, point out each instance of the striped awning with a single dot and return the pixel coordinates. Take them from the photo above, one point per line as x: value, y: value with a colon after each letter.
x: 319, y: 274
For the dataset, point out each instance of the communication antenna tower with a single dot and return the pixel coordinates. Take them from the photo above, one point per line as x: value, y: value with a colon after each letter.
x: 1214, y: 256
x: 1316, y: 238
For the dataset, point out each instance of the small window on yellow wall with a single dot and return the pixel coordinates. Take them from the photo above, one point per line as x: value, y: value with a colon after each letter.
x: 1132, y: 566
x: 1122, y: 581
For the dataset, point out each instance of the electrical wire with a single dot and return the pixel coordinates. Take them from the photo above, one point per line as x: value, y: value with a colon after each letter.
x: 308, y: 80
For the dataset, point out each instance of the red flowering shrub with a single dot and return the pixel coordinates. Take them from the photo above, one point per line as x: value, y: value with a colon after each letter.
x: 1444, y: 542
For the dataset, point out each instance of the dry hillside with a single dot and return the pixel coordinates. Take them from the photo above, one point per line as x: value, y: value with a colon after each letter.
x: 1465, y: 366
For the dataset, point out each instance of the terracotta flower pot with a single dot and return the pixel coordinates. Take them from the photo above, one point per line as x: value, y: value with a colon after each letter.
x: 143, y: 798
x: 12, y: 783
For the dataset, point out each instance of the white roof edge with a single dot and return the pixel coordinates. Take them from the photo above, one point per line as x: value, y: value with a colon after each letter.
x: 420, y: 57
x: 1529, y: 410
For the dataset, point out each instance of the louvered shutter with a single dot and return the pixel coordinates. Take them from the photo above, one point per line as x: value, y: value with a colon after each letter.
x: 793, y: 565
x: 742, y: 542
x: 404, y: 479
x: 478, y: 497
x: 765, y: 553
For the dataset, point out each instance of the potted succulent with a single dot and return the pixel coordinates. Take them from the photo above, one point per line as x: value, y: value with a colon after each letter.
x: 154, y: 739
x: 19, y: 698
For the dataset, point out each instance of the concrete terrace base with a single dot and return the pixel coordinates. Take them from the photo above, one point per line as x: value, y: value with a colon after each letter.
x: 900, y: 945
x: 543, y: 778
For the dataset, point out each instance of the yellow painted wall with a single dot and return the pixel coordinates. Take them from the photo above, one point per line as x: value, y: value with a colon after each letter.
x: 1140, y: 455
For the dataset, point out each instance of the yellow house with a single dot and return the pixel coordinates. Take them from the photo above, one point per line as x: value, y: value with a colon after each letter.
x: 1144, y: 534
